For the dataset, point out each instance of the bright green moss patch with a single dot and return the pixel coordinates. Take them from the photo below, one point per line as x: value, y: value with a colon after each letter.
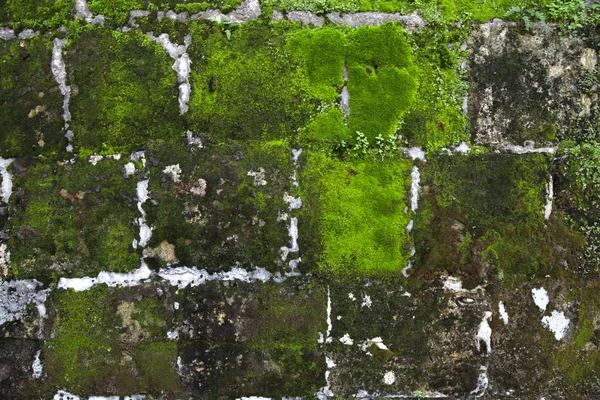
x: 245, y: 88
x: 359, y: 207
x: 72, y: 219
x: 30, y: 102
x: 225, y: 206
x: 116, y: 12
x: 124, y: 90
x: 323, y: 52
x: 326, y: 130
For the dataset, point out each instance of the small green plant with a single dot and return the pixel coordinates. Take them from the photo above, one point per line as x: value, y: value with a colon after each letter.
x: 569, y: 14
x: 385, y: 146
x: 224, y: 23
x: 361, y: 144
x: 524, y: 15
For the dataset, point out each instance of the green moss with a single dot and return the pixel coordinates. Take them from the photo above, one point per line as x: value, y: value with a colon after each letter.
x: 36, y: 14
x: 488, y: 210
x: 246, y: 87
x: 359, y: 207
x: 30, y: 102
x: 323, y: 53
x: 115, y: 11
x: 381, y: 80
x: 326, y: 130
x: 85, y: 352
x: 125, y: 91
x: 435, y: 120
x: 73, y: 219
x: 156, y: 363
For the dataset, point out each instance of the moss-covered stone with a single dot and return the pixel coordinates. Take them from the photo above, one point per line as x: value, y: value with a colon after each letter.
x: 31, y: 103
x: 358, y: 209
x: 72, y: 219
x: 226, y: 202
x: 35, y: 14
x: 124, y: 90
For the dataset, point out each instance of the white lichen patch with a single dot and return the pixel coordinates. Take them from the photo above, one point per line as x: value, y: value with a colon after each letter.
x: 415, y: 153
x: 410, y: 225
x: 95, y: 159
x: 128, y: 169
x: 37, y: 366
x: 329, y: 323
x: 199, y: 188
x: 484, y: 333
x: 556, y: 323
x: 193, y: 141
x: 16, y: 295
x: 367, y: 302
x: 389, y: 378
x: 540, y: 298
x: 347, y: 340
x: 294, y: 202
x: 351, y: 296
x: 482, y: 383
x: 503, y: 313
x: 4, y: 259
x: 453, y: 284
x: 7, y: 185
x: 258, y: 176
x: 293, y: 232
x: 62, y: 395
x: 377, y: 341
x: 174, y: 172
x: 173, y: 335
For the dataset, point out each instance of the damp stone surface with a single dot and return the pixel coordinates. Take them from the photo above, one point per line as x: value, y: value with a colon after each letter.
x: 282, y: 199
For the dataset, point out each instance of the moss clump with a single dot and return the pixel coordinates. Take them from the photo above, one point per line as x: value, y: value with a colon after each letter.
x: 220, y: 212
x: 381, y: 80
x: 30, y: 102
x: 72, y: 219
x: 35, y: 14
x: 245, y: 88
x: 359, y: 210
x: 323, y: 55
x: 125, y: 91
x: 116, y: 12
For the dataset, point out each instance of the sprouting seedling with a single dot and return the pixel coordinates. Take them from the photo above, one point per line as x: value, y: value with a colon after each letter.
x: 223, y: 21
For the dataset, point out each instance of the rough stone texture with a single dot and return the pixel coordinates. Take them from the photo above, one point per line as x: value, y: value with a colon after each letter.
x: 527, y: 86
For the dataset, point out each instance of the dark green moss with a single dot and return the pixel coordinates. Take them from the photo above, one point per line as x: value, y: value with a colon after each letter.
x: 217, y: 214
x: 487, y: 211
x: 156, y: 363
x: 124, y: 90
x: 73, y: 219
x: 30, y: 101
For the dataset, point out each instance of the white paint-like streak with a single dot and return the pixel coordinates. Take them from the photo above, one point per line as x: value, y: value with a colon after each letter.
x: 347, y: 340
x: 549, y: 196
x: 484, y: 334
x: 540, y: 298
x: 7, y: 185
x: 6, y: 33
x: 112, y: 279
x: 37, y: 366
x: 415, y: 153
x: 415, y: 187
x: 453, y: 284
x: 59, y: 71
x: 557, y: 323
x: 503, y: 313
x: 145, y: 231
x: 482, y: 383
x: 329, y: 323
x: 181, y: 66
x: 389, y: 378
x: 186, y: 276
x: 62, y: 395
